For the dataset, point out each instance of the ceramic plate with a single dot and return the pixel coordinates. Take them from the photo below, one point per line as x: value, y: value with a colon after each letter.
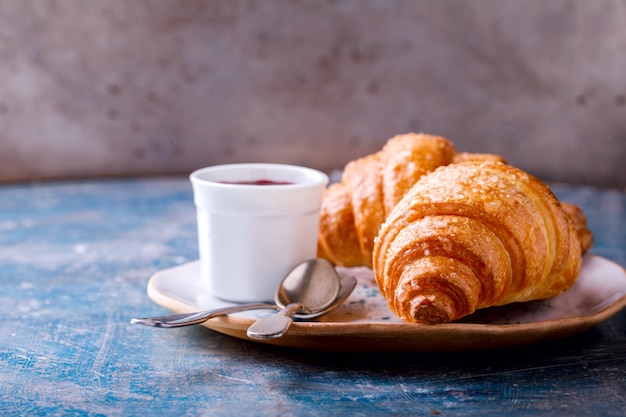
x: 365, y: 323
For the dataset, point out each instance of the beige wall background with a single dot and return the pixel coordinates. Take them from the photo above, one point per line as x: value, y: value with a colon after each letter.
x: 115, y: 87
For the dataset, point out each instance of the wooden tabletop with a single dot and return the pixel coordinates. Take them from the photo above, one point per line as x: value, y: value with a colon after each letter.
x: 75, y: 259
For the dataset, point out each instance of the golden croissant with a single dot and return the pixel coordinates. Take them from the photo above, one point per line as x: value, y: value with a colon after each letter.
x: 354, y: 209
x: 473, y: 235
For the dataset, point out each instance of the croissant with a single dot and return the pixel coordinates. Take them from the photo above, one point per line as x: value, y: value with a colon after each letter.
x: 473, y: 235
x: 354, y: 208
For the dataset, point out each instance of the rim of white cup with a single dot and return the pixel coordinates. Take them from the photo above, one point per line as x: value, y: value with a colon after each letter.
x: 309, y: 176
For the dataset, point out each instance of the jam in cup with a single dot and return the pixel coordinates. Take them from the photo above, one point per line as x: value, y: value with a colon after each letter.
x: 256, y: 222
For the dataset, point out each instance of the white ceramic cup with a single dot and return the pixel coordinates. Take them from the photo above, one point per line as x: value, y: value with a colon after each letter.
x: 250, y: 235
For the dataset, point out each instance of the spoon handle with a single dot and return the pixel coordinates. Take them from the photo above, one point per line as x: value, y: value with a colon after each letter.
x: 179, y: 320
x: 274, y: 326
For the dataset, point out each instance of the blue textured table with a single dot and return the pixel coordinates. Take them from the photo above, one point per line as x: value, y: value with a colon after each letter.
x: 75, y: 258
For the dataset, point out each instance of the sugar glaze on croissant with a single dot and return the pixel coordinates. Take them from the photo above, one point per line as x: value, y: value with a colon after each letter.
x: 473, y: 235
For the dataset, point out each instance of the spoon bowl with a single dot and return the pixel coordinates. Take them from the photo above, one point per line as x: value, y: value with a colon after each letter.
x: 314, y: 283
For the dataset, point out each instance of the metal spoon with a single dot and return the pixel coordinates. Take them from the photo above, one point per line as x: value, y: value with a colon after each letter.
x: 310, y: 288
x: 347, y: 285
x: 187, y: 319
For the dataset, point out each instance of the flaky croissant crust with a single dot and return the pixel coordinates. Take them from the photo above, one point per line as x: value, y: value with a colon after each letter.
x: 473, y: 235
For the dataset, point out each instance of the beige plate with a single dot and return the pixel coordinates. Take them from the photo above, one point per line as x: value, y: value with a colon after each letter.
x: 365, y: 324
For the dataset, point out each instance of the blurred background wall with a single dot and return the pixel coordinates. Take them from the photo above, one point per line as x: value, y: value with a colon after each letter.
x: 115, y: 87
